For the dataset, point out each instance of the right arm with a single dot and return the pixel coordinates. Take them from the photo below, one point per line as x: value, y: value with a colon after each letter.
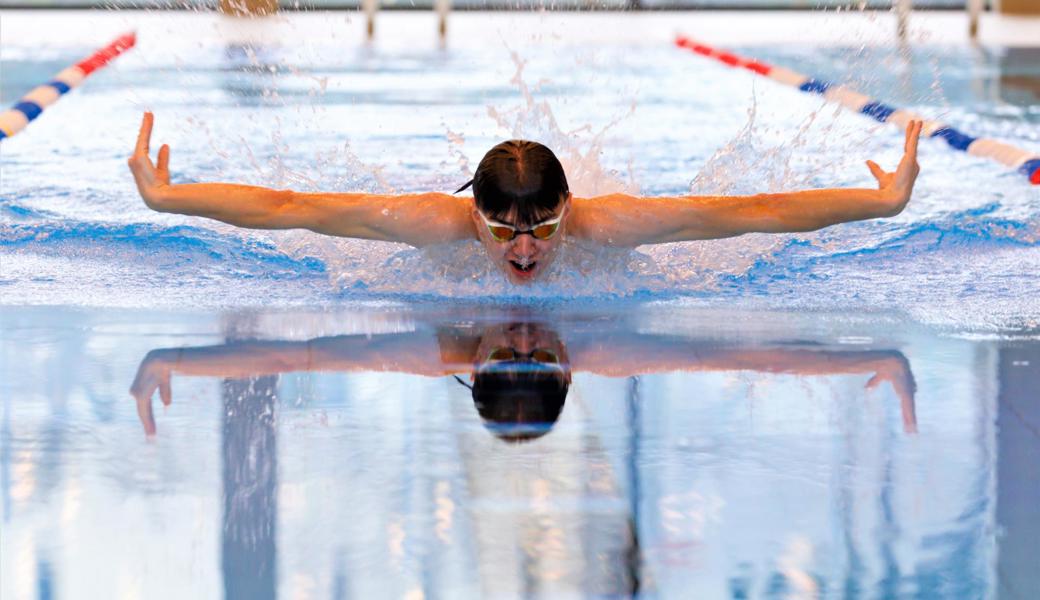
x: 411, y: 352
x: 415, y: 219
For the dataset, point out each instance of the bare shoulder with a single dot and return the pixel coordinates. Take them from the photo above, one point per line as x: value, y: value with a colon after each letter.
x: 417, y: 219
x: 433, y: 217
x: 623, y: 219
x: 630, y: 221
x: 596, y: 219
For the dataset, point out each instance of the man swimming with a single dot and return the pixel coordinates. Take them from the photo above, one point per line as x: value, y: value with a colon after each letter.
x: 522, y: 207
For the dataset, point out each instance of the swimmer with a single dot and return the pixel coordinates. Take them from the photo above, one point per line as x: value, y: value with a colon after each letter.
x: 522, y: 207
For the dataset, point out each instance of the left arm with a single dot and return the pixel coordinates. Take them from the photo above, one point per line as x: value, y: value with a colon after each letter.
x: 627, y: 355
x: 622, y: 220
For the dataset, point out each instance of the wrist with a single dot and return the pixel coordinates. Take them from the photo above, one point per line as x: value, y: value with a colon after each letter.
x: 159, y: 197
x: 165, y: 357
x: 890, y: 202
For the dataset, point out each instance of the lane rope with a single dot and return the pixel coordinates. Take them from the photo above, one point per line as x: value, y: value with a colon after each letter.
x: 1022, y: 161
x: 32, y: 104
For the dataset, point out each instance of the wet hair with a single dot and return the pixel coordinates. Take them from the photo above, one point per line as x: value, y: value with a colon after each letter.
x: 519, y: 404
x: 519, y: 179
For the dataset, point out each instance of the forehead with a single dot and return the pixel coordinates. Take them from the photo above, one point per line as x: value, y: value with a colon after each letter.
x: 521, y: 334
x: 515, y: 218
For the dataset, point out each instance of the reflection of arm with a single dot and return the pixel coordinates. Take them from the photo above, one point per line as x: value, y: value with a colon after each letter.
x: 626, y: 355
x: 405, y: 352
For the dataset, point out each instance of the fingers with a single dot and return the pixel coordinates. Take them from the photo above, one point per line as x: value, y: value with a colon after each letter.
x: 913, y: 133
x: 144, y: 412
x: 144, y: 136
x: 876, y: 170
x: 908, y: 408
x: 164, y: 158
x: 142, y: 170
x: 165, y: 393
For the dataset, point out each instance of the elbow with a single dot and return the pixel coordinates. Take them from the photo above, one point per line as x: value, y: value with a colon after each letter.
x: 289, y: 209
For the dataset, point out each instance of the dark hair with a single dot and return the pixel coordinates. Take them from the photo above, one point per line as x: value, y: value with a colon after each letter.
x: 519, y: 404
x: 520, y: 179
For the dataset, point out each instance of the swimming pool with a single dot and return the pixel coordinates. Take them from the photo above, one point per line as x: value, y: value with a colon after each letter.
x: 771, y: 479
x: 405, y: 115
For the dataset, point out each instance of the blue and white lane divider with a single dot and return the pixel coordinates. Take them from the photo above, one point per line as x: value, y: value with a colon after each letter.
x: 1023, y: 161
x: 33, y: 103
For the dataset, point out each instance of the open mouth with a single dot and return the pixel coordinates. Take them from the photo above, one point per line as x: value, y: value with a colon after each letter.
x: 523, y: 268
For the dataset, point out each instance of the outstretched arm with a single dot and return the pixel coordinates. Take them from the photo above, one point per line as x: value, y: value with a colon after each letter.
x: 626, y: 355
x: 416, y: 219
x: 623, y: 220
x: 411, y: 352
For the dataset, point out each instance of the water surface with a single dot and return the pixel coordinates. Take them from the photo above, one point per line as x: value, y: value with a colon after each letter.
x: 334, y: 454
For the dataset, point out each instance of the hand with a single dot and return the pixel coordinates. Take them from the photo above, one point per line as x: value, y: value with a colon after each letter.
x: 896, y: 370
x: 896, y: 187
x: 154, y: 372
x: 152, y: 181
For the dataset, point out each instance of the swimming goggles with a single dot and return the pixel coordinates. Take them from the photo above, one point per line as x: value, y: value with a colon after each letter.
x: 502, y: 232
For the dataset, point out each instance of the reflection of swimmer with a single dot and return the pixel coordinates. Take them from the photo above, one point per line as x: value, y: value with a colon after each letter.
x: 522, y: 207
x: 519, y: 373
x: 519, y: 380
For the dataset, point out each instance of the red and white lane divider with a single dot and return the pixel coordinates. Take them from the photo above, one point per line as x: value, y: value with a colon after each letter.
x: 33, y: 103
x: 1023, y: 161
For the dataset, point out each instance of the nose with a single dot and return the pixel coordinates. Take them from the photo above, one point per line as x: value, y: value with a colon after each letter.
x: 524, y: 245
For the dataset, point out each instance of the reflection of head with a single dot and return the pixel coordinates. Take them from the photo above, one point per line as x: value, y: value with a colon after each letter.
x: 520, y: 380
x: 519, y: 181
x: 519, y: 404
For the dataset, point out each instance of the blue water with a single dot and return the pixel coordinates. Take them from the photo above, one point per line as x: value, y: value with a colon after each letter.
x: 646, y: 119
x: 724, y: 452
x: 846, y: 413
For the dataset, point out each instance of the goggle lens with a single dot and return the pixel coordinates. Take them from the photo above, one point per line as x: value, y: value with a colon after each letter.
x: 544, y: 232
x: 502, y: 354
x: 507, y: 233
x: 539, y: 355
x: 501, y: 234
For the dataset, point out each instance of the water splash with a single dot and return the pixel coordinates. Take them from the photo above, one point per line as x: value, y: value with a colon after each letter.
x: 578, y: 149
x: 457, y: 270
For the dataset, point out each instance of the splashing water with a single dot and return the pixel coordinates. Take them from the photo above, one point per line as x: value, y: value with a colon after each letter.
x: 462, y: 269
x: 74, y: 231
x: 578, y: 149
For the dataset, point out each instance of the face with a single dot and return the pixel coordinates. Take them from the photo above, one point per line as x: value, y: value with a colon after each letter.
x: 525, y: 258
x: 528, y: 341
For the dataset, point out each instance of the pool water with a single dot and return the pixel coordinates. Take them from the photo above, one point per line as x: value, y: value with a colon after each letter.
x: 735, y: 454
x: 247, y: 105
x: 845, y: 413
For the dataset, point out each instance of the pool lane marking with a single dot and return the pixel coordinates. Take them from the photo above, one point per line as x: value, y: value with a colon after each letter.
x: 1023, y: 161
x: 32, y: 104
